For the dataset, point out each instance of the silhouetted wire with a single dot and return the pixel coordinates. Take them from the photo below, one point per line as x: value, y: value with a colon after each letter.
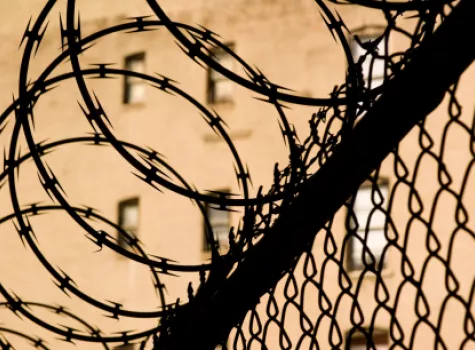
x: 335, y: 117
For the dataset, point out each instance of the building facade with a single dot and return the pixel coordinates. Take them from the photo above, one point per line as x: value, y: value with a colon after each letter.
x: 292, y: 46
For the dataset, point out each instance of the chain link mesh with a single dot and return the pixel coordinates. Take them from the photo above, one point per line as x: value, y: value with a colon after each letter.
x: 410, y: 292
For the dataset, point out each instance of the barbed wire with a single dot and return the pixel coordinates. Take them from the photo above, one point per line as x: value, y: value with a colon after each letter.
x: 336, y: 117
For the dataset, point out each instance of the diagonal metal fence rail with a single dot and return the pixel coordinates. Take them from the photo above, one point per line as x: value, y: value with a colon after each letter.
x: 292, y: 277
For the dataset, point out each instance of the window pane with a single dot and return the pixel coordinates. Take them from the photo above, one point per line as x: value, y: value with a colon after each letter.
x: 358, y: 347
x: 220, y: 87
x: 215, y: 76
x: 375, y: 243
x: 376, y: 240
x: 125, y: 347
x: 380, y: 340
x: 357, y: 250
x: 377, y: 71
x: 362, y: 218
x: 358, y: 51
x: 136, y: 92
x: 382, y: 47
x: 226, y: 61
x: 364, y: 347
x: 135, y: 87
x: 221, y: 234
x: 136, y: 65
x: 216, y: 216
x: 365, y: 70
x: 377, y: 220
x: 378, y: 68
x: 363, y: 199
x: 364, y: 195
x: 220, y: 225
x: 130, y: 216
x: 128, y: 220
x: 352, y: 222
x: 376, y: 82
x: 223, y: 90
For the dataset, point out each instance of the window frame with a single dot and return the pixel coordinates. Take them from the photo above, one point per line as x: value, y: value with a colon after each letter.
x: 369, y: 34
x: 207, y: 207
x: 130, y: 82
x: 350, y: 263
x: 212, y: 82
x: 355, y: 337
x: 125, y: 347
x: 121, y: 241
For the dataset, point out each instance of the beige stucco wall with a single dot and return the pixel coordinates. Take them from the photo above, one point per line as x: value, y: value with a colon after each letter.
x: 290, y: 43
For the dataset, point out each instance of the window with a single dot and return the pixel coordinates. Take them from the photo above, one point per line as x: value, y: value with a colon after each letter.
x: 220, y: 88
x: 219, y: 222
x: 128, y: 219
x: 358, y: 341
x: 125, y: 347
x: 363, y: 206
x: 371, y: 67
x: 134, y: 88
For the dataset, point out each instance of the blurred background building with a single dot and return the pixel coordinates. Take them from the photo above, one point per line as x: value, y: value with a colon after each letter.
x: 291, y: 44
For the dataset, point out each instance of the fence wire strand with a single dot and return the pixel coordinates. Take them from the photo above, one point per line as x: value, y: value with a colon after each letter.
x: 325, y: 301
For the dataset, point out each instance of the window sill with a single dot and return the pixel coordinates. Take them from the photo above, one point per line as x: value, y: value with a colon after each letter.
x: 222, y: 104
x: 134, y: 105
x: 356, y: 274
x: 234, y: 135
